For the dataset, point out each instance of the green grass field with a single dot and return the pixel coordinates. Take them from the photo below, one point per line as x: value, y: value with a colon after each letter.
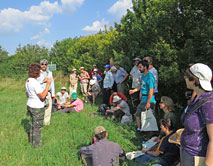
x: 61, y: 140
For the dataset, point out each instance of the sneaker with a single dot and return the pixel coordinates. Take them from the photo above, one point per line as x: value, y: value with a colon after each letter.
x: 138, y: 130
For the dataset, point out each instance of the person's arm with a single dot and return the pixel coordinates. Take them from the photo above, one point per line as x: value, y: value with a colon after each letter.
x: 87, y: 76
x: 126, y: 75
x: 209, y: 153
x: 52, y: 85
x: 150, y: 94
x: 111, y: 80
x: 55, y: 98
x: 27, y: 94
x: 134, y: 90
x: 44, y: 93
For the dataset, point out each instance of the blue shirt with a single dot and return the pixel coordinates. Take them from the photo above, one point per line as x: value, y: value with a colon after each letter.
x: 147, y: 82
x: 120, y: 75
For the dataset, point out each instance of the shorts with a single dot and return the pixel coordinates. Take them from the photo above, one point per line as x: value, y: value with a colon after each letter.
x: 141, y: 108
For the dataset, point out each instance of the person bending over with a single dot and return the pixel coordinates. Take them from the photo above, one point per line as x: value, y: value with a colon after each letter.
x: 102, y: 152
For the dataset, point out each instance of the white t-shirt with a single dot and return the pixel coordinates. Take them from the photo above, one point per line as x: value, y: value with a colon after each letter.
x: 62, y: 99
x: 33, y: 87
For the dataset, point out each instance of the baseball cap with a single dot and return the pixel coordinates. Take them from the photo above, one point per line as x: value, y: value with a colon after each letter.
x: 204, y: 74
x: 99, y: 130
x: 74, y: 95
x: 95, y: 69
x: 137, y: 59
x: 107, y: 66
x: 116, y: 98
x: 74, y: 69
x: 63, y: 88
x: 43, y: 61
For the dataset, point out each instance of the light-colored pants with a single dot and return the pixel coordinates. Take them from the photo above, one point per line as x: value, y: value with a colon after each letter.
x: 120, y: 87
x: 48, y: 109
x: 73, y: 88
x: 84, y: 88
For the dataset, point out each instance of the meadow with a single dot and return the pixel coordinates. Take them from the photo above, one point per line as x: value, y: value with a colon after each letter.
x: 61, y: 140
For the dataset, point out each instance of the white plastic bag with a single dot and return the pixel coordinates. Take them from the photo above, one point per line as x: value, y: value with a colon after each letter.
x: 148, y: 121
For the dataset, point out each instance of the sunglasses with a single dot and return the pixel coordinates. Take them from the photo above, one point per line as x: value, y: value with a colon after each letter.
x: 44, y: 64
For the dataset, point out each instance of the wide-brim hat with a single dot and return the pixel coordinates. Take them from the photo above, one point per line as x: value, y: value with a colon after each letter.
x: 137, y: 59
x: 204, y: 74
x: 74, y: 69
x: 63, y: 88
x: 82, y: 68
x: 99, y: 130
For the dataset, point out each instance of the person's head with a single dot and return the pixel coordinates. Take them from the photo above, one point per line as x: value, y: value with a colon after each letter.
x: 74, y: 96
x: 100, y: 132
x: 137, y: 60
x: 113, y: 69
x: 166, y: 125
x: 107, y: 67
x: 198, y: 76
x: 74, y: 71
x: 94, y: 66
x: 166, y: 103
x: 63, y: 90
x: 82, y: 69
x: 43, y: 63
x: 143, y: 66
x: 95, y: 71
x: 148, y: 59
x: 116, y: 99
x: 34, y: 70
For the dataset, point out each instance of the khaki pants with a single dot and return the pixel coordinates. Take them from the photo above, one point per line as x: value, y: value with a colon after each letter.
x: 73, y: 88
x: 48, y: 109
x: 84, y: 88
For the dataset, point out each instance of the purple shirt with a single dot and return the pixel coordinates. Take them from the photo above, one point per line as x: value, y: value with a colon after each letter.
x: 194, y: 138
x: 103, y: 153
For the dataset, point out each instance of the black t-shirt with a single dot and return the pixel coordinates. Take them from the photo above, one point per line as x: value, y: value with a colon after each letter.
x: 168, y: 151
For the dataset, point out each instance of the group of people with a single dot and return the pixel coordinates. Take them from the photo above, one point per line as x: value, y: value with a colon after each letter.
x: 197, y: 119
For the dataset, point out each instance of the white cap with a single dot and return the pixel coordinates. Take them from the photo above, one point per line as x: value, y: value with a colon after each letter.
x: 92, y: 82
x: 95, y: 69
x: 63, y: 88
x: 116, y: 98
x: 113, y: 68
x: 204, y: 74
x: 74, y: 69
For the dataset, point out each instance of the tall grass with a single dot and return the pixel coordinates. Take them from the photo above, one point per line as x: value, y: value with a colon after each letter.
x: 61, y: 140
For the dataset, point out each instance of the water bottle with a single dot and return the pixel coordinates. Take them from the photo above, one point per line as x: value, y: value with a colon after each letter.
x: 143, y: 144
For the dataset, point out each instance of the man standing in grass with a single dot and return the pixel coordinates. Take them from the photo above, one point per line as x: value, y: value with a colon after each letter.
x: 147, y: 85
x: 44, y: 75
x: 102, y: 152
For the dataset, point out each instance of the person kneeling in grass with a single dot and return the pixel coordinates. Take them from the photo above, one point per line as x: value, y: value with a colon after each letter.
x: 75, y: 105
x: 62, y: 98
x: 166, y: 153
x: 102, y: 152
x: 120, y: 108
x: 93, y: 91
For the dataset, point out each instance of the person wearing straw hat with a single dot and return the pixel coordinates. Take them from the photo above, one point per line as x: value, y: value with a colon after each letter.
x: 73, y: 81
x: 197, y: 136
x: 120, y: 108
x: 84, y: 78
x: 102, y: 152
x: 61, y: 98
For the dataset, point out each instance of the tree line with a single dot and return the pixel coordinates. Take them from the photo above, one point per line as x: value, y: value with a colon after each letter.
x: 174, y: 33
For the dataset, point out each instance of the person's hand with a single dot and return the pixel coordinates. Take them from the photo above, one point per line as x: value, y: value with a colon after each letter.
x: 131, y: 91
x: 49, y: 80
x: 59, y: 107
x: 147, y: 106
x: 144, y: 150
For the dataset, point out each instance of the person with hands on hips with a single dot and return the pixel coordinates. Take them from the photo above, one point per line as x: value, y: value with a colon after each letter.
x: 146, y: 87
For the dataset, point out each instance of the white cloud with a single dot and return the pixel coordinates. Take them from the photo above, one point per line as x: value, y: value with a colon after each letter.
x: 42, y: 42
x: 13, y: 20
x: 120, y: 7
x: 40, y: 34
x: 96, y: 26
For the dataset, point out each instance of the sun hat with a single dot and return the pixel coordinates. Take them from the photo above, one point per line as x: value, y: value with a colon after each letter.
x: 91, y: 82
x: 63, y: 88
x: 204, y: 74
x: 74, y: 69
x: 107, y: 66
x: 43, y: 61
x: 116, y: 98
x: 94, y: 65
x: 137, y: 58
x: 99, y: 130
x: 74, y: 95
x: 113, y: 68
x: 95, y: 69
x: 82, y: 68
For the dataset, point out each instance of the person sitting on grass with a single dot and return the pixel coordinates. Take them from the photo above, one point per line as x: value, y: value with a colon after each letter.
x: 75, y: 105
x: 120, y: 108
x: 62, y: 98
x: 166, y: 153
x: 93, y: 90
x: 102, y: 152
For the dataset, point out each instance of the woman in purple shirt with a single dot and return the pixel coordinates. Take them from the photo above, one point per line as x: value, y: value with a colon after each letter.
x: 197, y: 137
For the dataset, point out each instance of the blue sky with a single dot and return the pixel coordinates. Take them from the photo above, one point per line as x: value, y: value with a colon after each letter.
x: 44, y: 22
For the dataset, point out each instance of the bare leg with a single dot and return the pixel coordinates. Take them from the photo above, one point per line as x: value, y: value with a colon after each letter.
x: 138, y: 120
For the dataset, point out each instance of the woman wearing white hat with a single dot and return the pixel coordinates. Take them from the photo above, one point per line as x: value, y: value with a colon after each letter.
x: 197, y: 137
x: 121, y: 105
x: 73, y: 81
x: 93, y: 90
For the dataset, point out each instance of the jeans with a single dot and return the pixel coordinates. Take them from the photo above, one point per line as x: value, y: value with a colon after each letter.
x: 186, y: 158
x: 148, y: 158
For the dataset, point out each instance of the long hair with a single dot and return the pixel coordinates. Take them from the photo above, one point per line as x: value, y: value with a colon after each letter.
x: 168, y: 103
x: 34, y: 70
